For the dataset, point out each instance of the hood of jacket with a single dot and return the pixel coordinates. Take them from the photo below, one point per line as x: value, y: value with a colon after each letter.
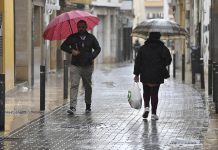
x: 153, y: 43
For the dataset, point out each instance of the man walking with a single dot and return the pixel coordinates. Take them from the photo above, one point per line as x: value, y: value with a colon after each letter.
x: 84, y: 48
x: 136, y: 47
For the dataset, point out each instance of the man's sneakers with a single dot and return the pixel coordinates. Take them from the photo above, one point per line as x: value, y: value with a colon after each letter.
x: 154, y: 117
x: 88, y: 108
x: 71, y: 111
x: 146, y: 112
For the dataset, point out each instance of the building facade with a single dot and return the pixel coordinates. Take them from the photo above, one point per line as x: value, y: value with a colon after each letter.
x: 7, y: 42
x: 31, y: 18
x: 154, y: 9
x: 22, y: 48
x: 112, y: 32
x: 180, y: 49
x: 28, y: 46
x: 201, y: 22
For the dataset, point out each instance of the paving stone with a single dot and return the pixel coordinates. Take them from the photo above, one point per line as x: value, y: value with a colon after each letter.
x: 113, y: 125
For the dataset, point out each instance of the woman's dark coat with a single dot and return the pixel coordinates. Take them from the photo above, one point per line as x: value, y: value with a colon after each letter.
x: 152, y: 57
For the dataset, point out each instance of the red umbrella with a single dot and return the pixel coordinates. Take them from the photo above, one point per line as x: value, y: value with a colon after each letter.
x: 65, y: 24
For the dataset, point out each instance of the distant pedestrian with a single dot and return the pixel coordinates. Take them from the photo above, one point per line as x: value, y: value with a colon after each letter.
x: 136, y: 47
x: 84, y: 48
x: 150, y: 65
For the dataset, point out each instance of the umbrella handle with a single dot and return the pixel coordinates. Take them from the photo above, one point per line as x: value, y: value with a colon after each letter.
x: 76, y: 47
x: 70, y: 26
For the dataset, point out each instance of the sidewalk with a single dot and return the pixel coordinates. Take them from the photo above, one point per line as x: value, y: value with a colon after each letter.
x: 187, y: 119
x: 22, y: 104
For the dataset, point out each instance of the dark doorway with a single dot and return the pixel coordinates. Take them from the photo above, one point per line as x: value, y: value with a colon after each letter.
x: 214, y: 32
x: 127, y: 44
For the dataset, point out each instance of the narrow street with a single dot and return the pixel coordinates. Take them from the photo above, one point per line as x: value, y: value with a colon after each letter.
x: 112, y: 124
x: 38, y: 38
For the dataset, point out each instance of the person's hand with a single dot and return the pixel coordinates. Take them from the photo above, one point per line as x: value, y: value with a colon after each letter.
x: 75, y: 52
x: 136, y: 78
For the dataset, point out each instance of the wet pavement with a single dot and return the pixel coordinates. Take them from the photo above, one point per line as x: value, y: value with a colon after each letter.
x: 187, y: 120
x: 22, y: 103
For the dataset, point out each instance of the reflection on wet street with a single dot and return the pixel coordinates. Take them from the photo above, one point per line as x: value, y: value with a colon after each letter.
x: 22, y: 104
x: 112, y: 124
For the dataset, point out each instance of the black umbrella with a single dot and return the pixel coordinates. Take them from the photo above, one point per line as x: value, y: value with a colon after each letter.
x: 168, y: 29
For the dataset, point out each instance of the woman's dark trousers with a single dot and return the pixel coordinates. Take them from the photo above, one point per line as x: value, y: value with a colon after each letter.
x: 151, y: 93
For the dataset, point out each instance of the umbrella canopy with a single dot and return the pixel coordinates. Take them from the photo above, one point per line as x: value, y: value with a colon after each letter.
x: 168, y: 29
x: 65, y: 24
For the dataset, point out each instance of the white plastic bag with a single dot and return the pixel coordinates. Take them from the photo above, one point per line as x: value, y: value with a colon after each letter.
x: 134, y: 96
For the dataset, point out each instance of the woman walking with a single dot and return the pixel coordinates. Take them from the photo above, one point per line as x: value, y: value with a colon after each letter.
x: 150, y: 65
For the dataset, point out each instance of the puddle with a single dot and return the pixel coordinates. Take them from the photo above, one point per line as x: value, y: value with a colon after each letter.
x: 180, y: 141
x: 85, y: 126
x: 109, y: 84
x: 9, y: 139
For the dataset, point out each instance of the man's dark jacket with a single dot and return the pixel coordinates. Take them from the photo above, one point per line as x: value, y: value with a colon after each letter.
x: 89, y: 48
x: 152, y: 57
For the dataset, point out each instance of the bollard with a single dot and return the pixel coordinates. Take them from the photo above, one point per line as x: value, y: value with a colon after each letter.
x: 2, y: 102
x: 183, y: 67
x: 174, y: 65
x: 202, y: 73
x: 65, y: 79
x: 42, y: 87
x: 209, y: 77
x: 193, y: 77
x: 195, y: 62
x: 193, y: 66
x: 214, y: 81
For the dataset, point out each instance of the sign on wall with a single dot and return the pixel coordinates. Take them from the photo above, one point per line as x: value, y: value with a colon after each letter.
x: 80, y: 1
x: 52, y: 5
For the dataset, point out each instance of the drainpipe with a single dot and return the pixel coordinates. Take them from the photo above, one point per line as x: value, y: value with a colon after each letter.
x: 31, y: 69
x: 182, y: 23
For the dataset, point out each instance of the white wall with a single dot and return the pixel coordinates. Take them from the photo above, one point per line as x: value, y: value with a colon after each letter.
x: 154, y: 10
x: 166, y: 9
x: 107, y: 30
x: 139, y: 12
x: 205, y: 31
